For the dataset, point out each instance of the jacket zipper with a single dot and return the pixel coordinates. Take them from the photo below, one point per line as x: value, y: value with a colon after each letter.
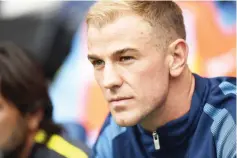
x: 156, y: 140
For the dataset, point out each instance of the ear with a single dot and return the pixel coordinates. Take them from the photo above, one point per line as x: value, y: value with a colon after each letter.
x: 178, y: 50
x: 34, y: 119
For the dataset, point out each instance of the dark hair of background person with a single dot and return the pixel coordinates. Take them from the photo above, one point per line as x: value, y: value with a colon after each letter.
x: 22, y: 82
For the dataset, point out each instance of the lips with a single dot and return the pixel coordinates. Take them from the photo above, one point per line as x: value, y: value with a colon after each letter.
x: 120, y: 102
x: 117, y: 99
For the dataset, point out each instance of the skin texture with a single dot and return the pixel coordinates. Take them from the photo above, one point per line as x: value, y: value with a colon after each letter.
x: 17, y: 131
x: 136, y: 75
x: 12, y: 127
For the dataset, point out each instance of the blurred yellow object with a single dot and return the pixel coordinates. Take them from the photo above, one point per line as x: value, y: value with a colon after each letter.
x: 59, y: 145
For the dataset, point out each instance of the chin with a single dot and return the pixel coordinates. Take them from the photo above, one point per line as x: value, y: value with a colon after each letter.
x: 126, y: 120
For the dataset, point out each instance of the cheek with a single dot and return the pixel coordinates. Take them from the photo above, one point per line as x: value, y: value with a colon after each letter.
x: 153, y: 82
x: 12, y: 131
x: 6, y: 128
x: 98, y: 77
x: 99, y: 83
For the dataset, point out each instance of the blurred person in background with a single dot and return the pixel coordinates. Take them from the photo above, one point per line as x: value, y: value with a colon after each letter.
x: 159, y: 108
x: 26, y: 125
x: 56, y: 23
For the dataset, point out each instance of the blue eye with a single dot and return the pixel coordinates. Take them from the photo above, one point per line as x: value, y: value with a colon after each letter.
x: 97, y: 62
x: 126, y: 58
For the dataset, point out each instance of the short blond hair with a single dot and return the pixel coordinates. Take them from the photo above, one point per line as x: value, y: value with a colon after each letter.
x: 164, y: 15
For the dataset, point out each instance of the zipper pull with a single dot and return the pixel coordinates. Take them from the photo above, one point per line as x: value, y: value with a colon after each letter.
x: 156, y: 140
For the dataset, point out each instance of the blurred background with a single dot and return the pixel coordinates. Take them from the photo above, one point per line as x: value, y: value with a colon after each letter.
x: 55, y: 32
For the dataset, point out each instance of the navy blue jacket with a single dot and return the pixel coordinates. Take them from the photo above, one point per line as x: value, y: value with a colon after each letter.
x: 208, y: 130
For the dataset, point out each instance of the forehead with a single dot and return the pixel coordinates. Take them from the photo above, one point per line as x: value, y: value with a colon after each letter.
x: 7, y: 107
x: 126, y: 31
x: 3, y: 101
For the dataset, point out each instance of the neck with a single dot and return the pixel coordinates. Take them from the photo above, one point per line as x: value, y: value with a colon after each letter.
x: 177, y: 103
x: 28, y: 146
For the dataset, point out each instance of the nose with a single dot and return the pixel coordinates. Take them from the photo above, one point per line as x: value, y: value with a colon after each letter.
x: 111, y: 79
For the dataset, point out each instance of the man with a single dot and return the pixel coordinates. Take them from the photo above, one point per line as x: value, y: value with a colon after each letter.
x: 26, y: 125
x: 159, y: 108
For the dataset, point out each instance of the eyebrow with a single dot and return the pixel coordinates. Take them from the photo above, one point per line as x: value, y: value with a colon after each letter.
x: 116, y: 53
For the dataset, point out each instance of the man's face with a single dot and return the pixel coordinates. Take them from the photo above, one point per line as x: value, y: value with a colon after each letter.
x: 12, y: 127
x: 130, y: 68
